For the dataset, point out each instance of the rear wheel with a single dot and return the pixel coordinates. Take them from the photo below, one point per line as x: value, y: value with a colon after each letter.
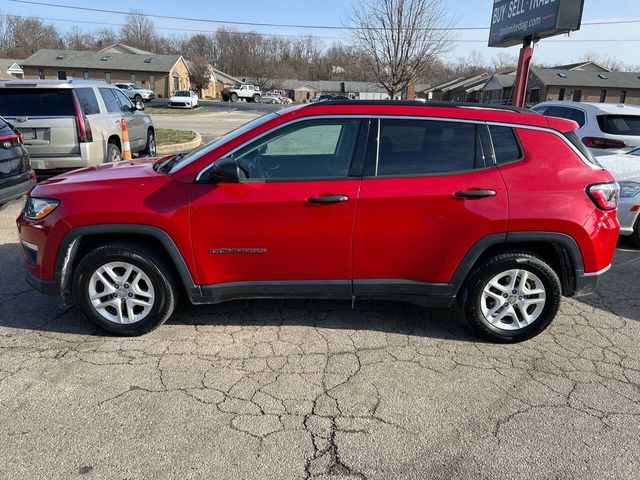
x: 150, y: 149
x: 113, y: 153
x: 512, y: 297
x: 125, y: 288
x: 635, y: 236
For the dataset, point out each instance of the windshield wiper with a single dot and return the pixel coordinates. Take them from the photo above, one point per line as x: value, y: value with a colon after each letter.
x: 166, y: 166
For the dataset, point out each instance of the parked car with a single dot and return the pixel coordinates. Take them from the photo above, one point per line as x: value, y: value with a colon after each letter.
x: 313, y: 99
x: 249, y: 93
x: 626, y: 170
x: 271, y: 98
x: 70, y: 124
x: 16, y: 175
x: 605, y: 128
x: 183, y: 99
x: 500, y: 210
x: 136, y: 93
x: 286, y: 100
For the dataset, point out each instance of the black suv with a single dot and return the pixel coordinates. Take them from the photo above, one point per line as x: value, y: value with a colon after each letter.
x: 16, y: 175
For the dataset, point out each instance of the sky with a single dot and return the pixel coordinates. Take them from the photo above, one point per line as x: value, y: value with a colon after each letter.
x: 611, y: 40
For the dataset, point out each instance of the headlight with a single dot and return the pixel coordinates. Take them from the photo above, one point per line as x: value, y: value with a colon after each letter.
x: 38, y: 208
x: 629, y: 189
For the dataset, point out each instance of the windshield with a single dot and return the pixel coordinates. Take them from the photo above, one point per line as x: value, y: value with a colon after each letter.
x: 136, y: 87
x: 180, y: 93
x: 212, y: 145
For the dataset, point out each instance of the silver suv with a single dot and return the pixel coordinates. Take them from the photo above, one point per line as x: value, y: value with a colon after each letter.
x: 70, y: 124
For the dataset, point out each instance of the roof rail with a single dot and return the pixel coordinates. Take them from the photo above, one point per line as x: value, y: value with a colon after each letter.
x: 414, y: 103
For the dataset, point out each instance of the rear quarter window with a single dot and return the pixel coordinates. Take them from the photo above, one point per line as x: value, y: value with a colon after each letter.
x: 36, y: 102
x: 620, y: 124
x: 576, y: 142
x: 88, y: 101
x: 506, y: 145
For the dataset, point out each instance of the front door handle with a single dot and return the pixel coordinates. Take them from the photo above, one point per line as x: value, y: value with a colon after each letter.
x: 479, y: 193
x: 328, y: 199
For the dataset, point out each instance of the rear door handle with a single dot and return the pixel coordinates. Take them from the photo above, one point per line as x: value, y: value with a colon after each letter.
x: 475, y: 194
x: 328, y: 199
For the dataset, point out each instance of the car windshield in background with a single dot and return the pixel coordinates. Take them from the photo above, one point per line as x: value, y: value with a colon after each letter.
x: 620, y: 124
x: 181, y: 93
x: 212, y: 145
x: 136, y: 87
x: 36, y: 102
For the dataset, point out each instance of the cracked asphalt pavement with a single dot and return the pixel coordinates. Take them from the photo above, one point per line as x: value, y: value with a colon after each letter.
x: 309, y: 389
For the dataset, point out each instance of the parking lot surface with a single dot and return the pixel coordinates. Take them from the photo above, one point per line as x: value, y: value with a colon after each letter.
x: 295, y: 389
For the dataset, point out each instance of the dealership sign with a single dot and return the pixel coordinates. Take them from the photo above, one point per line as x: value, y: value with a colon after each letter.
x: 514, y: 21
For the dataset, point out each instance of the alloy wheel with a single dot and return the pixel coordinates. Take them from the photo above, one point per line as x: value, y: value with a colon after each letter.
x: 513, y: 299
x: 121, y: 293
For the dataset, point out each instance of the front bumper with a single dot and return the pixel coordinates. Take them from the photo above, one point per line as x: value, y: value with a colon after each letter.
x: 48, y: 287
x: 628, y: 214
x: 587, y: 283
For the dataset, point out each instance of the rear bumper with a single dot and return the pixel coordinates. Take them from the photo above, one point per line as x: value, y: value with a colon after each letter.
x: 14, y: 192
x: 91, y: 153
x: 587, y: 283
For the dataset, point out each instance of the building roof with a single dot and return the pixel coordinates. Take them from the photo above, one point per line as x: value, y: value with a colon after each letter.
x: 586, y: 78
x: 7, y: 63
x: 586, y: 65
x: 468, y: 83
x: 122, y: 48
x: 223, y: 77
x: 101, y: 60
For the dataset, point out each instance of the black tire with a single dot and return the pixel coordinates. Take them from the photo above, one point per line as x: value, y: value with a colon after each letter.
x: 145, y: 259
x: 635, y: 236
x: 486, y: 271
x: 113, y: 153
x: 257, y: 98
x: 137, y: 101
x: 150, y: 149
x: 234, y: 97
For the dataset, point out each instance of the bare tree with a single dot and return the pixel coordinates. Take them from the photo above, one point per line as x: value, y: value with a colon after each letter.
x: 104, y: 37
x: 75, y: 39
x: 139, y: 31
x: 610, y: 62
x: 21, y: 37
x: 200, y: 74
x: 504, y: 62
x: 399, y: 38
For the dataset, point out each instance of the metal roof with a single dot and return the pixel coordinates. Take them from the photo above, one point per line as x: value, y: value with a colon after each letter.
x: 100, y: 60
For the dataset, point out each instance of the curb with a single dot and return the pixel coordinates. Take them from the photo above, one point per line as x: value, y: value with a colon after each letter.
x: 180, y: 147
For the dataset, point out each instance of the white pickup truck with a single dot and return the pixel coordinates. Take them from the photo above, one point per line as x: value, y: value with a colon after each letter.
x: 250, y: 93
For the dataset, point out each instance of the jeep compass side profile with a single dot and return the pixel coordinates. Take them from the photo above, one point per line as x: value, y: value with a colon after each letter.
x: 497, y: 208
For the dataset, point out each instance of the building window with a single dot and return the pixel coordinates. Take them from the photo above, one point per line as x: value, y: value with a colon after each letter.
x: 85, y: 75
x: 62, y: 75
x: 623, y: 96
x: 41, y: 73
x: 107, y: 77
x: 132, y: 78
x: 561, y: 94
x: 152, y: 82
x: 603, y: 96
x: 577, y: 95
x: 535, y: 95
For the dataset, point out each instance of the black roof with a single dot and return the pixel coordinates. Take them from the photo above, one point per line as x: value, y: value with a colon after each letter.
x: 414, y: 103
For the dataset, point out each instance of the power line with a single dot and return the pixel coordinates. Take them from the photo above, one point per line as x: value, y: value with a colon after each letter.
x: 280, y: 25
x: 74, y: 21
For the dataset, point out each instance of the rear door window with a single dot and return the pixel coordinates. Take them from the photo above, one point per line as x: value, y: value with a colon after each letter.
x: 126, y: 105
x: 505, y: 144
x: 424, y: 147
x: 36, y: 102
x: 620, y: 124
x: 88, y: 101
x: 110, y: 100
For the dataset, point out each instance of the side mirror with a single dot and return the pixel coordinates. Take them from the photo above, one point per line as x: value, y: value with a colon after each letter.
x: 224, y: 170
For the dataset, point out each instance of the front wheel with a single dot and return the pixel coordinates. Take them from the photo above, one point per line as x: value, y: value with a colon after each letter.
x: 257, y: 98
x: 137, y: 100
x: 125, y: 288
x: 234, y: 97
x: 512, y: 297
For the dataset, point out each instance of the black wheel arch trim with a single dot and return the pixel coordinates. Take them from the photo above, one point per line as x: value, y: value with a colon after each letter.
x: 568, y: 244
x: 70, y: 243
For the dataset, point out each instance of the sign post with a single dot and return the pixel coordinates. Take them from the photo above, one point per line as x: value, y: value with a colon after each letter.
x: 526, y: 22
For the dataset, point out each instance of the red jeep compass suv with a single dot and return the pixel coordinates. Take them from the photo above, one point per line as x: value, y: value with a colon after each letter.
x: 501, y: 209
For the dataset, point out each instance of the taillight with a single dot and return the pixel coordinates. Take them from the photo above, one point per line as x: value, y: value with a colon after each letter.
x: 597, y: 142
x: 20, y: 138
x: 604, y: 195
x: 8, y: 141
x: 84, y: 128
